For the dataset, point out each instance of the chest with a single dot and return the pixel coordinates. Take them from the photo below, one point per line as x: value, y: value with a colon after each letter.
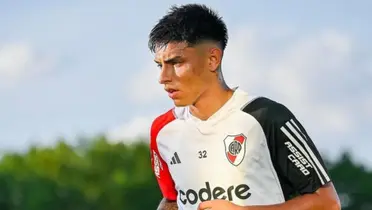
x: 227, y: 150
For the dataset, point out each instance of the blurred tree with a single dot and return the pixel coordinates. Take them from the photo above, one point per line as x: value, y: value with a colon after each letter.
x: 102, y: 175
x: 353, y: 183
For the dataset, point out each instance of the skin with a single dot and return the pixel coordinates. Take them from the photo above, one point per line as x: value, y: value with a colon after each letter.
x: 194, y: 74
x: 323, y: 199
x: 167, y: 205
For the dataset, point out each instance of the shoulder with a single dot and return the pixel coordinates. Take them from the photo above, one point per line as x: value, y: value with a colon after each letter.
x: 266, y: 110
x: 160, y: 121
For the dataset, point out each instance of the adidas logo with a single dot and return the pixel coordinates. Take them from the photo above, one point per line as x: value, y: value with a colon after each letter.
x: 175, y: 159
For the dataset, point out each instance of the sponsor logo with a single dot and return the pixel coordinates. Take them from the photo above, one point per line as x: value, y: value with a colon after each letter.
x: 298, y: 159
x: 157, y: 164
x: 175, y: 159
x: 235, y: 148
x: 192, y: 196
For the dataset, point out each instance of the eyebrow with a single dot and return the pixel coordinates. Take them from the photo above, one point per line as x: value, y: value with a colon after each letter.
x: 171, y: 60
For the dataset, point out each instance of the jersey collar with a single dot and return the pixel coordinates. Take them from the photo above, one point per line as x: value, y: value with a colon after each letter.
x: 217, y: 116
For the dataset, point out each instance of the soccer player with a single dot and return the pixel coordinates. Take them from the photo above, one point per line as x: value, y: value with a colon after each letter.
x: 222, y: 148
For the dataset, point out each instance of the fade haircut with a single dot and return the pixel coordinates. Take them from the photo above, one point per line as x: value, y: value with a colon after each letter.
x: 191, y: 24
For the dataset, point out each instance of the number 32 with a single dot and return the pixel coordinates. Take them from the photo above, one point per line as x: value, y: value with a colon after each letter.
x: 202, y: 154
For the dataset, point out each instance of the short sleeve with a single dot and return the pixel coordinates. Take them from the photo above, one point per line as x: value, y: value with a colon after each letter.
x: 159, y: 166
x: 295, y: 156
x: 296, y: 159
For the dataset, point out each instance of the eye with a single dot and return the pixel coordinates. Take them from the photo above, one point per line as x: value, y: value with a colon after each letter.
x: 177, y: 64
x: 159, y: 65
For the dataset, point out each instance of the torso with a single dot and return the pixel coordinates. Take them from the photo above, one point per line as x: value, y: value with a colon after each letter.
x: 225, y: 157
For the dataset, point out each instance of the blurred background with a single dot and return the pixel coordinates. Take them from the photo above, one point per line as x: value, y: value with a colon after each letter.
x: 78, y: 92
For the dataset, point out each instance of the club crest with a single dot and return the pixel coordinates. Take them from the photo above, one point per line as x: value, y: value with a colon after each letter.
x: 235, y: 148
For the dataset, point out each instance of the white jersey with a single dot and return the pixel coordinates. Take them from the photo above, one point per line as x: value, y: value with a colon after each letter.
x: 252, y: 151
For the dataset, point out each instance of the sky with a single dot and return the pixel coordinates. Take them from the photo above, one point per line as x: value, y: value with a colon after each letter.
x: 81, y: 68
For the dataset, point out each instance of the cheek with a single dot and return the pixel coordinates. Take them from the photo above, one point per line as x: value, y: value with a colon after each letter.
x: 185, y: 75
x: 189, y: 81
x: 183, y: 71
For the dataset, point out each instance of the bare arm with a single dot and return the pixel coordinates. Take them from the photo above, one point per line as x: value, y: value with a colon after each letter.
x: 167, y: 205
x: 324, y: 199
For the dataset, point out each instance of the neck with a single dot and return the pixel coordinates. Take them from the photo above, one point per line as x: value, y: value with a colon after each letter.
x: 211, y: 101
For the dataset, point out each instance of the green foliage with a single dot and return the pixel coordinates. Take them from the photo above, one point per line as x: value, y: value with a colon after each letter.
x: 353, y: 183
x: 101, y: 175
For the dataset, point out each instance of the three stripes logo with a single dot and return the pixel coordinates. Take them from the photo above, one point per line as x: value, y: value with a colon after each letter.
x: 175, y: 159
x: 302, y: 154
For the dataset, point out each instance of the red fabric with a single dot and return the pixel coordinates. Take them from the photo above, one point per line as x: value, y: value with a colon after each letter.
x: 164, y: 177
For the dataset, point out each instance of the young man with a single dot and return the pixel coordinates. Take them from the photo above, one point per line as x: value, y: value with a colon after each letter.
x: 221, y: 148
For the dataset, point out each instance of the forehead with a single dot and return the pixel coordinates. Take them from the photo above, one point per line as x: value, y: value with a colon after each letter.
x: 172, y: 50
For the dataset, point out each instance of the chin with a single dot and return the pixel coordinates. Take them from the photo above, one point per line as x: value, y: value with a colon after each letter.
x: 180, y: 103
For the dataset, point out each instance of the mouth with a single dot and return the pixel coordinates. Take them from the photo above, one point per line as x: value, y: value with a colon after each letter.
x: 172, y: 92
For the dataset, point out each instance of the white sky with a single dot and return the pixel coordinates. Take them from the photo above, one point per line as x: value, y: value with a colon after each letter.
x: 81, y: 68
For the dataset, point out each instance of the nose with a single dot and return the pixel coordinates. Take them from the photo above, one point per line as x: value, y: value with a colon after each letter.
x: 165, y: 75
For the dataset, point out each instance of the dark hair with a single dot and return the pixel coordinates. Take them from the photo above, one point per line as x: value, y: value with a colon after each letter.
x: 190, y: 23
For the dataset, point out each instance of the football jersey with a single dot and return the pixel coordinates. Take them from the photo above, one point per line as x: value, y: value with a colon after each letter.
x: 252, y: 151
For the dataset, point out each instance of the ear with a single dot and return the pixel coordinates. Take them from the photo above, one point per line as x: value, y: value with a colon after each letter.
x: 215, y: 57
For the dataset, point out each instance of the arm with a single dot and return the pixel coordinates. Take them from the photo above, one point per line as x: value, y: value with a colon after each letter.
x: 297, y: 162
x: 304, y: 179
x: 167, y: 205
x: 323, y: 199
x: 165, y: 183
x: 160, y: 167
